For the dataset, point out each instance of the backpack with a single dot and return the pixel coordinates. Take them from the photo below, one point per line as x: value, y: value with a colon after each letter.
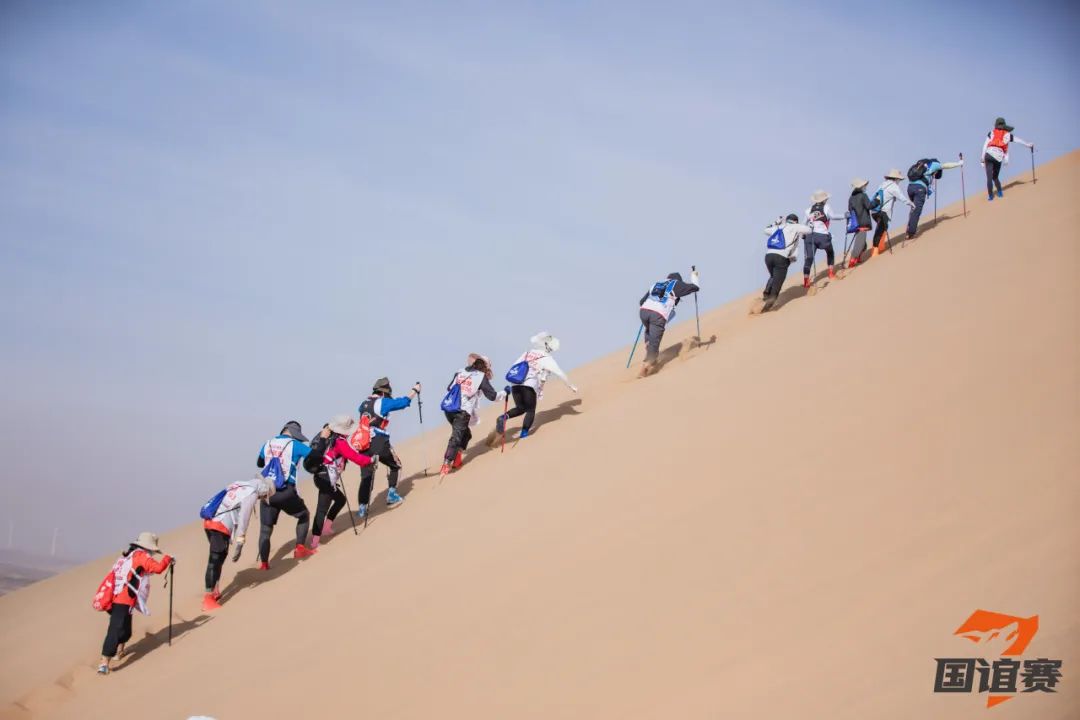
x: 853, y: 222
x: 662, y: 289
x: 878, y: 202
x: 210, y: 508
x: 817, y: 213
x: 314, y: 459
x: 518, y: 372
x: 103, y: 598
x: 274, y: 471
x: 917, y: 171
x: 451, y: 403
x: 776, y: 241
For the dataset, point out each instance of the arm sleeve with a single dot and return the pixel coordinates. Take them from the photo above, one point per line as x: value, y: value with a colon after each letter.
x: 682, y: 289
x: 344, y: 449
x: 150, y: 565
x: 389, y: 405
x: 549, y: 363
x: 262, y: 459
x: 643, y: 299
x: 246, y: 506
x: 829, y: 212
x: 949, y: 165
x: 488, y: 390
x: 1025, y: 143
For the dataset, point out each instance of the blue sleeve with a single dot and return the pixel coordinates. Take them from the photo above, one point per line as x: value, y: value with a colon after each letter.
x: 934, y: 167
x: 300, y: 451
x: 389, y: 405
x: 262, y: 459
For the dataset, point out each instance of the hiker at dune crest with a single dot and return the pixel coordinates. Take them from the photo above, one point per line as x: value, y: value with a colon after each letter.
x: 126, y: 589
x: 279, y: 458
x: 373, y: 438
x: 225, y: 518
x: 780, y: 250
x: 995, y: 153
x: 461, y: 404
x: 818, y: 216
x: 527, y: 377
x: 657, y: 309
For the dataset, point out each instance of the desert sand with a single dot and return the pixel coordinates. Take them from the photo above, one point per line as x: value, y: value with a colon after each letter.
x: 788, y: 522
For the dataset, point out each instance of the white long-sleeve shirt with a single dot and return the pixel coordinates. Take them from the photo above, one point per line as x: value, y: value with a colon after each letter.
x: 996, y: 152
x: 819, y: 226
x: 791, y: 233
x: 890, y: 191
x: 541, y: 365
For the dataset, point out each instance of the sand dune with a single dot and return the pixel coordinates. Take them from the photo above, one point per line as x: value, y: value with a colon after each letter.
x: 789, y: 522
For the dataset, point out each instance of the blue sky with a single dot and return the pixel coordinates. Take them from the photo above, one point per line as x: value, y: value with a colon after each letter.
x: 217, y: 217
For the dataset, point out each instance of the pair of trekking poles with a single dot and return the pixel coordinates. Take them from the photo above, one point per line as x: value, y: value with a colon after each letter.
x: 697, y: 319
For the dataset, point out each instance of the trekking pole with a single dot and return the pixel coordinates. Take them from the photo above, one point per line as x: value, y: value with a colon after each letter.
x: 963, y: 192
x: 640, y: 328
x: 420, y: 405
x: 170, y: 582
x: 935, y: 202
x: 348, y: 507
x: 506, y: 409
x: 697, y: 317
x: 1032, y: 149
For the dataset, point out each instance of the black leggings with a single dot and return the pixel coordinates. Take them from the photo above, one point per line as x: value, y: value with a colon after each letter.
x: 119, y: 631
x: 881, y: 229
x: 460, y: 434
x: 524, y: 404
x: 219, y: 548
x: 777, y: 265
x: 814, y: 242
x: 993, y: 171
x: 381, y: 448
x: 289, y: 502
x: 329, y: 504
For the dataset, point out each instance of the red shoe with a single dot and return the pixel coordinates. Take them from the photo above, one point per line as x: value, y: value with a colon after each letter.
x: 216, y: 594
x: 458, y: 460
x: 806, y: 281
x: 832, y: 274
x: 302, y: 552
x: 852, y: 262
x: 444, y: 470
x: 264, y: 566
x: 210, y: 603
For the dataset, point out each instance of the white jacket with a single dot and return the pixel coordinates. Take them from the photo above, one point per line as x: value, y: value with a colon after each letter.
x: 822, y: 226
x: 541, y: 365
x: 890, y: 189
x: 236, y: 507
x: 791, y: 233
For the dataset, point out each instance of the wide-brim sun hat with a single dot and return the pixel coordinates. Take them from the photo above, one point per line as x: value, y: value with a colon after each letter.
x: 292, y: 429
x: 859, y: 183
x: 894, y: 174
x: 819, y: 196
x: 148, y: 541
x: 342, y: 424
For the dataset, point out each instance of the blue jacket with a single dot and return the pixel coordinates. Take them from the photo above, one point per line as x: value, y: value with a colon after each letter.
x: 299, y: 452
x: 382, y: 407
x: 931, y: 169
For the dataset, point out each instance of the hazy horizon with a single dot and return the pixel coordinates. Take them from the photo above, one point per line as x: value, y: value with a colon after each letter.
x: 219, y: 218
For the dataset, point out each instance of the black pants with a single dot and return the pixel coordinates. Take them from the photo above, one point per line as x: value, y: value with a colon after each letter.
x: 119, y: 631
x: 460, y: 434
x: 993, y: 171
x: 880, y: 229
x: 329, y: 504
x: 219, y: 548
x: 654, y: 324
x: 524, y: 404
x: 814, y: 242
x: 916, y: 192
x: 381, y: 448
x: 289, y: 502
x: 777, y: 265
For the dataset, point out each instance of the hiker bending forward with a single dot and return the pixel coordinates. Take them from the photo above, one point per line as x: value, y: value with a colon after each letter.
x: 283, y: 453
x: 657, y: 310
x: 527, y: 389
x: 780, y: 251
x: 230, y: 522
x: 461, y: 404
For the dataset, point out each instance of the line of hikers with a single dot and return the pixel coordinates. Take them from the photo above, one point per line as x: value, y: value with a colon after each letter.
x: 865, y: 211
x: 363, y: 440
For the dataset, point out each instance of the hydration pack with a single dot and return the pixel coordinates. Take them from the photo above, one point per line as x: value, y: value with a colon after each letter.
x: 662, y: 289
x: 817, y: 213
x: 917, y: 171
x: 878, y: 202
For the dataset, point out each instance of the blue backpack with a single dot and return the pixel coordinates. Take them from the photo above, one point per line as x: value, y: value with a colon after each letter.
x: 852, y: 223
x: 518, y: 372
x: 452, y: 402
x: 878, y: 202
x: 776, y: 240
x: 275, y: 471
x: 210, y: 509
x: 661, y: 289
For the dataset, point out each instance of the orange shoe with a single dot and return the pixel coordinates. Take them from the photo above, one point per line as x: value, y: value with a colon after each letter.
x: 832, y: 273
x: 302, y: 552
x: 210, y: 603
x: 458, y: 460
x: 444, y: 470
x: 264, y: 566
x: 806, y: 281
x: 852, y: 262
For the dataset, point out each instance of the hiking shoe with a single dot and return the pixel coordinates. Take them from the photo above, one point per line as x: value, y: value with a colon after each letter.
x: 103, y: 669
x: 217, y: 594
x: 361, y: 512
x: 524, y: 434
x: 767, y: 305
x: 445, y: 469
x: 327, y: 529
x: 458, y: 460
x: 210, y: 603
x: 392, y: 498
x: 852, y: 262
x: 990, y: 197
x: 264, y: 566
x: 500, y: 425
x: 832, y: 274
x: 302, y: 552
x: 999, y: 194
x: 806, y: 281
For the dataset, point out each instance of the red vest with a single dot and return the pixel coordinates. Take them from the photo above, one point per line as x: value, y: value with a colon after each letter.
x: 997, y: 139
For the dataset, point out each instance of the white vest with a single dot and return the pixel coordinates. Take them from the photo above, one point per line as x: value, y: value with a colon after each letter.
x: 470, y: 382
x: 662, y: 308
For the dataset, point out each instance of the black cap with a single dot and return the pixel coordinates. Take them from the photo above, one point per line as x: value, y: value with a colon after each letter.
x: 382, y: 385
x: 792, y: 217
x: 292, y: 429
